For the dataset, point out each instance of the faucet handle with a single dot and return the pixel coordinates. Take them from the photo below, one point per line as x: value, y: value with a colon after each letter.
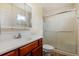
x: 18, y: 36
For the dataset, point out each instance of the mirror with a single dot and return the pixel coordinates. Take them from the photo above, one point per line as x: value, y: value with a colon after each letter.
x: 15, y: 16
x: 23, y: 16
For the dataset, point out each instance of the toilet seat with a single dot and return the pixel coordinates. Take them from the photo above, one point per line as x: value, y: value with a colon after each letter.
x: 48, y: 47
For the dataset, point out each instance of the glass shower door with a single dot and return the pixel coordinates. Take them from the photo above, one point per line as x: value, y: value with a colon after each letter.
x: 61, y: 31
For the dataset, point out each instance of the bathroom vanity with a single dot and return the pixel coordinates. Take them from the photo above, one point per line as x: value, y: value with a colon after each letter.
x: 30, y: 48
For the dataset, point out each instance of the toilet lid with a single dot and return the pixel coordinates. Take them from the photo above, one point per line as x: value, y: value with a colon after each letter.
x: 48, y: 47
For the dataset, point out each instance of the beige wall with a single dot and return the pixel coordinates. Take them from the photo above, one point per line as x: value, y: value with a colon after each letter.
x: 6, y: 16
x: 37, y: 19
x: 51, y: 11
x: 77, y: 11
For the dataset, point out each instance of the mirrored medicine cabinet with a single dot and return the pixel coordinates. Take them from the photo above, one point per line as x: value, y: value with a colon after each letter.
x: 14, y: 16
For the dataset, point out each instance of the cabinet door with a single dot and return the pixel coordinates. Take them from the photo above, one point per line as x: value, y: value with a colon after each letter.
x: 28, y: 48
x: 37, y: 51
x: 12, y: 53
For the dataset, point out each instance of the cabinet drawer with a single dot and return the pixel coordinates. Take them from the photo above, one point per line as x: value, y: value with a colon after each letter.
x: 40, y: 41
x: 27, y: 48
x: 12, y: 53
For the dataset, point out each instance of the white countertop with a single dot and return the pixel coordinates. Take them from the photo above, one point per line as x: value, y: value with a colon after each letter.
x: 8, y: 45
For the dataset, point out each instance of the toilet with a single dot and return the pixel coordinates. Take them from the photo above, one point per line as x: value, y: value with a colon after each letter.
x: 47, y: 49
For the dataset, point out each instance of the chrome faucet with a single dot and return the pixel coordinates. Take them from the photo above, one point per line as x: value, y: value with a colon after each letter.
x: 18, y: 36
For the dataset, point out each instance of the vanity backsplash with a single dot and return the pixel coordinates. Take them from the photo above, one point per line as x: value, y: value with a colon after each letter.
x: 11, y: 35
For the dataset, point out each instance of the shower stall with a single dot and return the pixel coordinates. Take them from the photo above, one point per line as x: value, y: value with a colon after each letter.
x: 60, y: 31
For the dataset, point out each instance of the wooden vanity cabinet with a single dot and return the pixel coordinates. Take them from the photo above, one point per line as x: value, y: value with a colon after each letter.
x: 38, y: 51
x: 28, y: 48
x: 31, y: 49
x: 11, y: 53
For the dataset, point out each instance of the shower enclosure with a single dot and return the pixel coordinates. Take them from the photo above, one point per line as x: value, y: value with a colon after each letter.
x: 60, y: 31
